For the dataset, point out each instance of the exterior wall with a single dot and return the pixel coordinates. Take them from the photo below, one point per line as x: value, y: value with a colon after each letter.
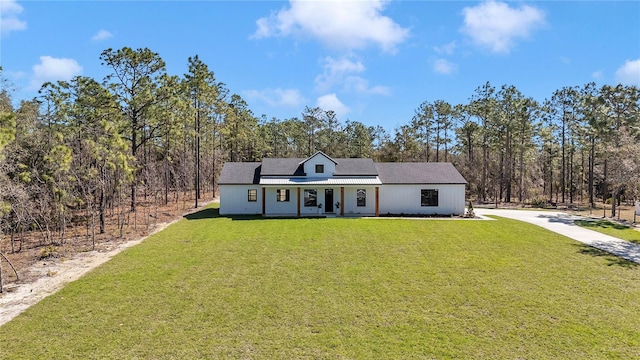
x: 274, y: 207
x: 310, y: 167
x: 394, y: 199
x: 234, y: 200
x: 405, y: 199
x: 350, y: 201
x: 312, y: 210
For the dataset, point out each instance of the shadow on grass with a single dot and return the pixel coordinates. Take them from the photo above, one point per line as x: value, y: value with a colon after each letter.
x: 215, y: 213
x: 211, y: 213
x: 600, y: 224
x: 610, y: 258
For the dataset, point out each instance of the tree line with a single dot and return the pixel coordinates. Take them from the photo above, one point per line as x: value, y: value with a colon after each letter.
x: 98, y: 147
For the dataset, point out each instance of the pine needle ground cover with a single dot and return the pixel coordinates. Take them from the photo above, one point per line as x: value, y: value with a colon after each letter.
x: 214, y: 287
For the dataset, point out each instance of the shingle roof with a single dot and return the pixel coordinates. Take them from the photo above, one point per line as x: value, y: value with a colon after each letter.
x: 389, y: 173
x: 282, y: 167
x: 419, y: 173
x: 235, y: 173
x: 355, y: 167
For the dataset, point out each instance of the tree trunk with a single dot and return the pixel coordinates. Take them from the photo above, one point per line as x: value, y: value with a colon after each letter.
x: 197, y: 155
x: 563, y: 170
x: 483, y: 181
x: 101, y: 211
x: 591, y: 168
x: 571, y: 175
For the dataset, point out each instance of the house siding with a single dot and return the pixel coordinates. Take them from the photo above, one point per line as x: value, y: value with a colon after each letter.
x: 310, y: 167
x: 234, y: 200
x: 350, y: 201
x: 274, y: 207
x: 405, y: 199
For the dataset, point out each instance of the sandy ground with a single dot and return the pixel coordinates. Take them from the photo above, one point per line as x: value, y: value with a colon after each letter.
x: 55, y: 274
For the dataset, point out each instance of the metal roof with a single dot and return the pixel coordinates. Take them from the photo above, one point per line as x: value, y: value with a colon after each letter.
x: 321, y: 181
x: 294, y: 167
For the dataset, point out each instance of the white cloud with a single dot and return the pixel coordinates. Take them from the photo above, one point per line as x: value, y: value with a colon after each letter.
x: 53, y: 69
x: 597, y: 74
x: 446, y: 49
x: 102, y: 35
x: 629, y: 73
x: 337, y: 24
x: 565, y: 60
x: 331, y: 102
x: 361, y: 86
x: 9, y: 11
x: 442, y: 66
x: 335, y: 72
x: 340, y: 71
x: 277, y: 97
x: 496, y: 26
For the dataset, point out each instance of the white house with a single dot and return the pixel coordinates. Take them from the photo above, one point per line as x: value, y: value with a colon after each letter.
x: 320, y: 185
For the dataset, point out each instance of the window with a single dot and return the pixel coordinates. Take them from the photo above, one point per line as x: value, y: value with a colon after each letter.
x: 252, y: 195
x: 319, y: 169
x: 429, y: 197
x: 282, y: 195
x: 361, y: 197
x: 310, y: 197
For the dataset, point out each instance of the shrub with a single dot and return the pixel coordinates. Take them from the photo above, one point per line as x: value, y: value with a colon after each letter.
x: 539, y: 202
x: 470, y: 213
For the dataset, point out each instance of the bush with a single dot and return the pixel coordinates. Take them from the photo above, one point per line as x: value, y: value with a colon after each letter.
x: 470, y: 213
x: 539, y: 202
x: 49, y: 252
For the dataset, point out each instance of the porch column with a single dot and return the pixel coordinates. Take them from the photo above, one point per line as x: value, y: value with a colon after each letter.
x: 377, y: 201
x: 298, y: 202
x: 341, y: 200
x: 264, y: 200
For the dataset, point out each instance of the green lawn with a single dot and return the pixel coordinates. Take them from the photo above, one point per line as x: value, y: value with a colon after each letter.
x: 607, y: 227
x: 211, y: 287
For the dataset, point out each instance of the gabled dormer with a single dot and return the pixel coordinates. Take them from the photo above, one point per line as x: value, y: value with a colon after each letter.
x: 319, y: 165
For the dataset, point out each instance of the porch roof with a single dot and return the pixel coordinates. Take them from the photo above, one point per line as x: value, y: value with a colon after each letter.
x: 299, y: 181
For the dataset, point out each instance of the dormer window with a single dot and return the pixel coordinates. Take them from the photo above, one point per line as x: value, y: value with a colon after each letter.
x: 319, y: 169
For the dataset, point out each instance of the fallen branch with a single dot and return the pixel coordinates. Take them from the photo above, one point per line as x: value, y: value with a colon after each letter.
x: 10, y: 264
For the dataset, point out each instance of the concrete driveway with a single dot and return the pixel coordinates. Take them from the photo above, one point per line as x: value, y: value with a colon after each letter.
x: 563, y: 224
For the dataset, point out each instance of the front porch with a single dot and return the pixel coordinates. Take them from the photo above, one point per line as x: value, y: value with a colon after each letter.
x: 320, y: 201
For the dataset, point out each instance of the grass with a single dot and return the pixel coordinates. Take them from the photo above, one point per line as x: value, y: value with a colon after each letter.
x: 607, y: 227
x: 212, y: 287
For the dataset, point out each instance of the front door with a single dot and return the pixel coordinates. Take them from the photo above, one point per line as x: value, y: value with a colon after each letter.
x: 328, y: 200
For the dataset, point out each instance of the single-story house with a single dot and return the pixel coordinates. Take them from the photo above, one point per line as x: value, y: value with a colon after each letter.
x: 320, y: 185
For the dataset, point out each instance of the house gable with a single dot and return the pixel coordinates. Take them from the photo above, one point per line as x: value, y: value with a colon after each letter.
x: 319, y: 165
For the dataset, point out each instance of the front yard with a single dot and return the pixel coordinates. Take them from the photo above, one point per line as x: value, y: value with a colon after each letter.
x: 214, y: 287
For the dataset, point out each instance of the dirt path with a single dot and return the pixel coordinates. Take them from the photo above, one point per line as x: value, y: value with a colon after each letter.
x: 55, y: 274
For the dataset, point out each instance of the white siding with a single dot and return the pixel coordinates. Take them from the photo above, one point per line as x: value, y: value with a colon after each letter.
x: 310, y: 166
x: 394, y: 199
x: 350, y: 201
x: 274, y: 207
x: 405, y: 199
x: 312, y: 210
x: 234, y: 200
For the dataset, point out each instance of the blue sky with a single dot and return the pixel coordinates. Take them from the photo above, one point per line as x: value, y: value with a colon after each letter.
x: 370, y: 61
